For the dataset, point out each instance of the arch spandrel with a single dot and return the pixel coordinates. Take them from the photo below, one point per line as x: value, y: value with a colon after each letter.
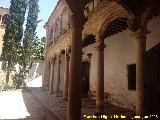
x: 112, y: 17
x: 104, y: 14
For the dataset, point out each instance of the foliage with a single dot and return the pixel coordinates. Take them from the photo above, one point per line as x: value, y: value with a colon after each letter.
x: 39, y: 46
x: 5, y: 86
x: 18, y: 51
x: 28, y: 49
x: 17, y: 80
x: 13, y: 35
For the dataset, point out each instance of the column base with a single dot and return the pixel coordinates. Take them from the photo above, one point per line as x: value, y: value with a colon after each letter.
x: 65, y: 99
x: 50, y: 92
x: 56, y: 95
x: 99, y: 108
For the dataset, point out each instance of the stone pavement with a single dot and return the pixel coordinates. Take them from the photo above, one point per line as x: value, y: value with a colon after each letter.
x: 59, y: 107
x: 22, y: 105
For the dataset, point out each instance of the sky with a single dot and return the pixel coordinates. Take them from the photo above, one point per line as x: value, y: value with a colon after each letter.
x: 46, y: 7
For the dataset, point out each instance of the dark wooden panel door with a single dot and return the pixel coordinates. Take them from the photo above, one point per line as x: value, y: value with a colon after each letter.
x: 85, y: 77
x: 153, y: 80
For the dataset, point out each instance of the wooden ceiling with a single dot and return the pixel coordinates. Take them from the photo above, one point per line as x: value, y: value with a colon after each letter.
x: 89, y: 39
x: 116, y: 26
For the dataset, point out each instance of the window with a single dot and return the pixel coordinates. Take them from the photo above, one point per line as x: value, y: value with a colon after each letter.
x: 5, y: 19
x: 131, y: 76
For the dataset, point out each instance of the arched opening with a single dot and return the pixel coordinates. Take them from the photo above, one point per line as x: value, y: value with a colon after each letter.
x: 119, y: 62
x: 116, y: 26
x: 88, y: 40
x: 5, y: 19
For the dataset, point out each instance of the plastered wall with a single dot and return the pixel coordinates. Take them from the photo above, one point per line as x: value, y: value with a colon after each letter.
x: 120, y: 52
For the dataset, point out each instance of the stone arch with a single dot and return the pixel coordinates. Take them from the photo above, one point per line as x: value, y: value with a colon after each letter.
x: 109, y: 20
x: 123, y: 4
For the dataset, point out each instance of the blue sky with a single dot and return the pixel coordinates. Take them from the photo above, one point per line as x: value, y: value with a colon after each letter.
x: 46, y: 7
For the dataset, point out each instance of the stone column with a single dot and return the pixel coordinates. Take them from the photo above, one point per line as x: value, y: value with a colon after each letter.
x: 100, y: 76
x: 46, y: 69
x: 58, y: 73
x: 46, y: 75
x: 51, y: 76
x: 66, y: 76
x: 75, y: 82
x: 140, y: 44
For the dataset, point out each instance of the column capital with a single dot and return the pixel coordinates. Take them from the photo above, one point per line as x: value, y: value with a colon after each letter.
x: 141, y: 33
x: 134, y: 24
x: 78, y: 20
x: 89, y: 55
x: 100, y: 45
x: 59, y: 58
x: 67, y: 57
x: 53, y: 61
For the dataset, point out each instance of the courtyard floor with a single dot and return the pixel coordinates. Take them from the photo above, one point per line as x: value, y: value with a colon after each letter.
x: 22, y: 105
x: 59, y: 107
x: 34, y: 103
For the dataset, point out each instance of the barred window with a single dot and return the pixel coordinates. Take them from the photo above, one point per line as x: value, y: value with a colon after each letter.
x: 131, y: 76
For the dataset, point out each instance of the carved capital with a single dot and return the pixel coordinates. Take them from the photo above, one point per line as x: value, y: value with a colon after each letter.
x: 59, y: 58
x: 59, y: 61
x: 100, y: 43
x: 53, y: 61
x: 89, y: 55
x: 134, y: 24
x: 141, y: 33
x: 69, y: 49
x: 67, y: 58
x: 78, y: 20
x: 100, y: 46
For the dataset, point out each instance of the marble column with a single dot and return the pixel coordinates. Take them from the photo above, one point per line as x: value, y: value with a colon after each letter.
x: 58, y: 73
x: 100, y: 76
x: 140, y: 43
x: 75, y: 82
x: 51, y: 76
x: 66, y: 76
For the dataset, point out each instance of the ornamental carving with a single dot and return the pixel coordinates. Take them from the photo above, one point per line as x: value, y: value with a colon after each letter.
x: 133, y: 24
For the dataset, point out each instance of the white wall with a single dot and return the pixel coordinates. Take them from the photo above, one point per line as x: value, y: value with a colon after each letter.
x: 34, y: 78
x: 120, y: 52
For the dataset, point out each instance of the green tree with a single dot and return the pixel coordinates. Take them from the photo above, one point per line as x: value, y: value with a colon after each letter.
x: 28, y: 49
x: 13, y: 36
x: 39, y: 46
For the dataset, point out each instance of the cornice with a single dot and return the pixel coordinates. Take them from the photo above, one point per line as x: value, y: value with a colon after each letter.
x: 58, y: 10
